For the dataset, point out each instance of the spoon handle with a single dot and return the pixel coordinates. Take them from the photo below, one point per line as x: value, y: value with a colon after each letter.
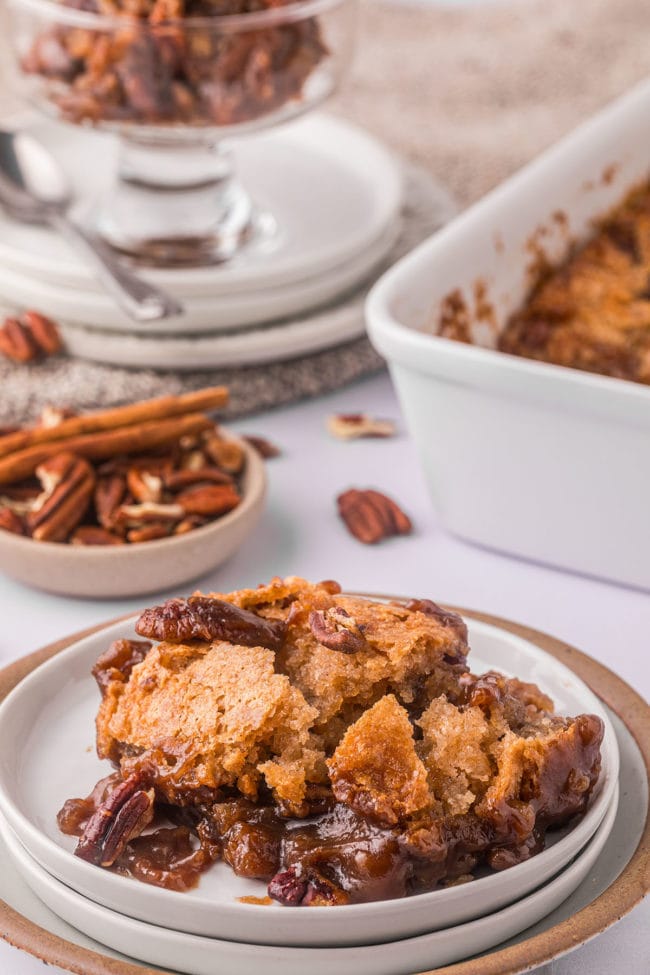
x: 140, y: 300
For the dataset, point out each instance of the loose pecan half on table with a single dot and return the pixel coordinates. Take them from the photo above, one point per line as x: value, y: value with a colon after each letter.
x: 353, y: 426
x: 372, y: 516
x: 29, y: 336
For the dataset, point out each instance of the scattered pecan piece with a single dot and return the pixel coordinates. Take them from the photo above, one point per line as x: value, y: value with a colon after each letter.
x: 190, y: 441
x: 52, y: 416
x: 137, y: 515
x: 109, y: 493
x: 75, y: 813
x: 143, y: 485
x: 335, y: 629
x: 16, y: 342
x: 189, y: 524
x: 69, y: 482
x: 323, y: 893
x: 43, y: 330
x: 205, y: 618
x: 178, y: 480
x: 194, y: 460
x: 288, y: 887
x: 116, y: 663
x: 331, y: 586
x: 264, y: 447
x: 371, y: 516
x: 252, y: 850
x: 149, y: 533
x: 28, y: 337
x: 158, y: 465
x: 11, y: 522
x: 445, y: 616
x: 350, y: 426
x: 293, y: 888
x: 127, y: 811
x: 208, y: 499
x: 22, y: 492
x: 226, y: 454
x: 22, y: 500
x: 56, y: 469
x: 94, y: 535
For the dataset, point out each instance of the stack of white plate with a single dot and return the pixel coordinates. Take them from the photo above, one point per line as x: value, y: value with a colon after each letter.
x: 335, y: 195
x: 46, y: 728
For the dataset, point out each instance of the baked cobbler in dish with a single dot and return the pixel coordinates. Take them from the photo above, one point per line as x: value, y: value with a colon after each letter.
x: 593, y: 312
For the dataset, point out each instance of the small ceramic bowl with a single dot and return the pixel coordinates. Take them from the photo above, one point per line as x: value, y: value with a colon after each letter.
x: 133, y: 570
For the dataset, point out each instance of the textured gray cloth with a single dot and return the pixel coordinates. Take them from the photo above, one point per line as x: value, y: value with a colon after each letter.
x: 468, y: 93
x: 25, y: 390
x: 79, y: 384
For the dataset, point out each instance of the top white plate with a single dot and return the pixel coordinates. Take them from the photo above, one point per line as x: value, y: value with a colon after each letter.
x: 46, y: 730
x: 332, y: 189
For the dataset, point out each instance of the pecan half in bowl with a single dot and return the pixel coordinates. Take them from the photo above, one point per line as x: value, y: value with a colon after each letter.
x: 99, y: 565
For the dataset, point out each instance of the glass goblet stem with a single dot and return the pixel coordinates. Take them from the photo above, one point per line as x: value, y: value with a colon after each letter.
x: 174, y: 204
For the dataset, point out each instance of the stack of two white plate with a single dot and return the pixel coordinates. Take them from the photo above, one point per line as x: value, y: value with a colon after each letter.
x: 336, y: 197
x: 46, y: 726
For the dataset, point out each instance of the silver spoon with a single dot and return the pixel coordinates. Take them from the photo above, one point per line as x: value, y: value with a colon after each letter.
x: 33, y: 189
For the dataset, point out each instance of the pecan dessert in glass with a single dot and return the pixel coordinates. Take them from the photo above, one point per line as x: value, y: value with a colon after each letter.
x: 335, y: 747
x: 593, y: 312
x: 156, y: 62
x: 174, y: 79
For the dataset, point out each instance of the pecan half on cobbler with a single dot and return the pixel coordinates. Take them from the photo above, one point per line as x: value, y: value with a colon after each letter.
x: 336, y: 748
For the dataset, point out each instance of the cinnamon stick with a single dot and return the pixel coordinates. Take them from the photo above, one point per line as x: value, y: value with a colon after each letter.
x: 101, y: 444
x: 163, y: 408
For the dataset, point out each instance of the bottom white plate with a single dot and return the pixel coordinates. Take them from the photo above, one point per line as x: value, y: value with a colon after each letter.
x: 196, y: 955
x: 287, y: 340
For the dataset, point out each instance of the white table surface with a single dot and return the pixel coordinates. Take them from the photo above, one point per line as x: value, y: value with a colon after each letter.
x: 300, y: 534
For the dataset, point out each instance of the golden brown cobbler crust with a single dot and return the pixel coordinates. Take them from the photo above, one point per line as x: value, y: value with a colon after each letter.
x: 593, y: 313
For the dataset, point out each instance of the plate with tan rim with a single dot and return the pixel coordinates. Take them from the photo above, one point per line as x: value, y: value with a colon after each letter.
x: 52, y: 714
x: 615, y: 885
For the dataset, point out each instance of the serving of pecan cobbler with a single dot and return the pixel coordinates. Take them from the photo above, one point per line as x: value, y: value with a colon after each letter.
x: 337, y: 748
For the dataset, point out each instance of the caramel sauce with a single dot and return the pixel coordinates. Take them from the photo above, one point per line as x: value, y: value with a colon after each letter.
x: 165, y: 858
x: 357, y: 859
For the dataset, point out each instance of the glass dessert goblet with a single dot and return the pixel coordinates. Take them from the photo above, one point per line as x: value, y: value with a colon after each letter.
x: 177, y: 81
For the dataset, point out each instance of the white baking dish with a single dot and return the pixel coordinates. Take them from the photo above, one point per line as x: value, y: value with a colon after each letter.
x: 534, y: 459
